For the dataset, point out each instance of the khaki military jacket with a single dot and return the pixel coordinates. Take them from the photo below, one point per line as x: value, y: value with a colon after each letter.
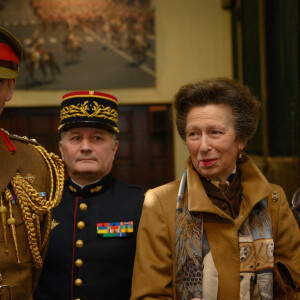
x: 18, y: 280
x: 154, y: 270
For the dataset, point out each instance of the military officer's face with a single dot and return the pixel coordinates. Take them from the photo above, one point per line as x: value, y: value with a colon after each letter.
x: 6, y: 91
x: 88, y: 153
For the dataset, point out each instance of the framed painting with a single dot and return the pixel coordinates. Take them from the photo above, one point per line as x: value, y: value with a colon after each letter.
x: 83, y: 44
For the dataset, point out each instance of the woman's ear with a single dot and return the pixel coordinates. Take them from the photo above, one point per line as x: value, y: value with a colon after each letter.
x: 242, y: 145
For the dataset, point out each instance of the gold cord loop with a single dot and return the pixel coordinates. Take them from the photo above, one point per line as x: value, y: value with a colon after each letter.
x: 33, y: 206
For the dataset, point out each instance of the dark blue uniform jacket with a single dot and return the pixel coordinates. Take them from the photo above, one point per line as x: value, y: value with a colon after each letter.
x: 91, y: 252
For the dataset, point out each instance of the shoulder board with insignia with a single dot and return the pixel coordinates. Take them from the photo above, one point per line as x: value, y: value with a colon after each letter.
x: 23, y: 139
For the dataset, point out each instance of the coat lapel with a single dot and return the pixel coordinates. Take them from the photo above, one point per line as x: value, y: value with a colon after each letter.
x: 197, y: 199
x: 255, y: 187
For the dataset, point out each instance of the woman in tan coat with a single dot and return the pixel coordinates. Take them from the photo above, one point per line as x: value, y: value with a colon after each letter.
x: 222, y: 231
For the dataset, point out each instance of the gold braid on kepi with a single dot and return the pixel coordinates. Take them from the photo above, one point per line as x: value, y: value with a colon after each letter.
x: 33, y: 206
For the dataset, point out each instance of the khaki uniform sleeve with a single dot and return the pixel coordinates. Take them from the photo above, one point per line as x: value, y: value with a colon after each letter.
x: 152, y: 276
x: 287, y: 238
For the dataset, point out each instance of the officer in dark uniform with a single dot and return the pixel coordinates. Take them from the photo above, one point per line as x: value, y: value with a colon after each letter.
x: 92, y: 245
x: 31, y: 183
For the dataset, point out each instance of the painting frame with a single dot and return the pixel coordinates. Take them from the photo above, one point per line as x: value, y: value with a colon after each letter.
x: 100, y: 65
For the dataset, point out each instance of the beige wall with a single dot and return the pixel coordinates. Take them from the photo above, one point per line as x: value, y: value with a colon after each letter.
x: 193, y: 41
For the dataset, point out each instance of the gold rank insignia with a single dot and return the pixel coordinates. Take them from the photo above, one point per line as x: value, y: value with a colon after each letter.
x: 96, y: 189
x: 54, y: 223
x: 72, y: 189
x: 30, y: 178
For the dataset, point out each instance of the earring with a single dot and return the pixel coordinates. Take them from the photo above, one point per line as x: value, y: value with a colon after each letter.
x: 240, y: 154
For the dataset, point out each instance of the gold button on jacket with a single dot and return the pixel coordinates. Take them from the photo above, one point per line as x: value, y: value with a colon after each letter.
x: 79, y: 243
x: 78, y: 282
x: 78, y: 262
x: 83, y: 206
x: 80, y: 225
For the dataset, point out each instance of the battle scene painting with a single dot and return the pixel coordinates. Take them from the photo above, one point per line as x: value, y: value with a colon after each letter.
x: 83, y: 44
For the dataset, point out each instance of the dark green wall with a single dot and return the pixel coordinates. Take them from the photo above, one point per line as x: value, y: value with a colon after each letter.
x: 282, y: 28
x: 282, y: 57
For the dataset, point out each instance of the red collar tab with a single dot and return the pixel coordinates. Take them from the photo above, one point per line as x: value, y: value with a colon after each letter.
x: 7, y: 141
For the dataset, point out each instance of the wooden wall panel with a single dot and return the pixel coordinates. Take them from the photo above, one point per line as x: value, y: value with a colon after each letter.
x: 145, y: 154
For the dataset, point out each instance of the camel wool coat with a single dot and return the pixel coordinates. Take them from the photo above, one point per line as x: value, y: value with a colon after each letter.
x: 154, y: 270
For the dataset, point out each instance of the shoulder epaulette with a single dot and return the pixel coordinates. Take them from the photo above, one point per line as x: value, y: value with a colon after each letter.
x: 23, y: 139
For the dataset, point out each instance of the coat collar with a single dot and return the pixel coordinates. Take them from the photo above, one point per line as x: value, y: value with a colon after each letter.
x: 255, y: 187
x: 89, y: 190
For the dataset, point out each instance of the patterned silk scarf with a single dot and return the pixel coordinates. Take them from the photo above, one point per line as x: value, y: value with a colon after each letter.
x: 255, y: 243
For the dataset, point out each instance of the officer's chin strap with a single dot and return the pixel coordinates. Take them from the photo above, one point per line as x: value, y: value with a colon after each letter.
x: 32, y: 206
